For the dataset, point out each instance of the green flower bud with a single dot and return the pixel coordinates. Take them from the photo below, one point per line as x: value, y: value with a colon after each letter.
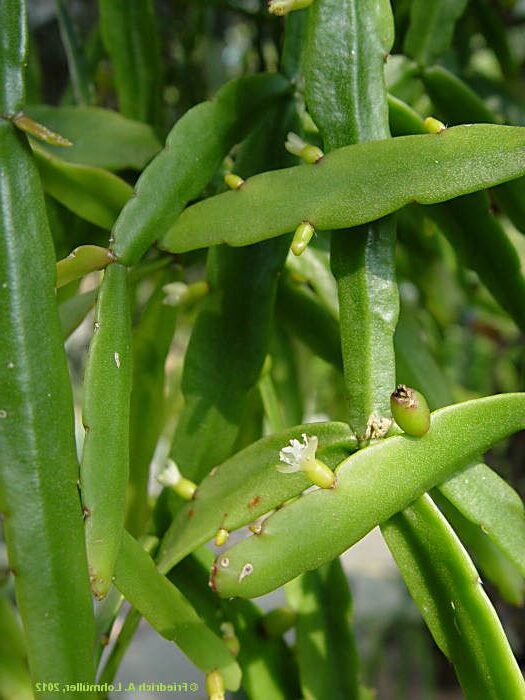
x: 320, y: 474
x: 171, y: 478
x: 234, y: 182
x: 306, y: 151
x: 410, y: 410
x: 185, y: 489
x: 221, y: 537
x: 433, y: 125
x: 215, y: 685
x: 302, y: 237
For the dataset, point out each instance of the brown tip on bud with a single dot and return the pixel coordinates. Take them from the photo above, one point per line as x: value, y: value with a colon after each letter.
x: 410, y: 410
x: 404, y: 396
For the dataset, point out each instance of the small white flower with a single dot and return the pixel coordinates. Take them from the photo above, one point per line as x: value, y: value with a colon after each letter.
x: 170, y: 476
x: 175, y: 293
x: 228, y: 630
x: 297, y: 456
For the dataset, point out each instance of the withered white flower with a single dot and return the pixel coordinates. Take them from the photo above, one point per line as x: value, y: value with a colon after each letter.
x: 282, y: 7
x: 175, y: 293
x: 170, y: 475
x: 294, y: 144
x: 171, y: 478
x: 308, y: 152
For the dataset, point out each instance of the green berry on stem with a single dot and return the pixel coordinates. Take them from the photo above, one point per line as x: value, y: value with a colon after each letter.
x: 410, y: 410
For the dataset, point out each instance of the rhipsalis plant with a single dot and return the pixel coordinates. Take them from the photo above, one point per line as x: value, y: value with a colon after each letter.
x: 280, y: 247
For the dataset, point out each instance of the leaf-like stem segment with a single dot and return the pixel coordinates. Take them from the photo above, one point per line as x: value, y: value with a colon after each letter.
x: 82, y: 261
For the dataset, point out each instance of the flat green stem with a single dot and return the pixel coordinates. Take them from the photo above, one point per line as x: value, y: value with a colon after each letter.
x: 354, y: 185
x: 82, y: 261
x: 446, y: 586
x: 372, y: 485
x: 170, y: 614
x: 76, y: 61
x: 39, y: 469
x: 105, y: 414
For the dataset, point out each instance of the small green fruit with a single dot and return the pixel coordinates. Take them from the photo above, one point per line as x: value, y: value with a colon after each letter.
x: 410, y: 410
